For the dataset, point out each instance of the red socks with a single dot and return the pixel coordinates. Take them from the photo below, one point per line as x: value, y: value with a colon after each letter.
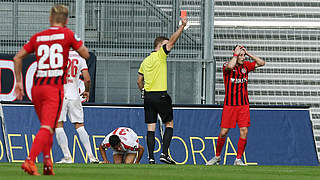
x: 47, y: 147
x: 40, y: 144
x: 241, y: 146
x: 220, y: 144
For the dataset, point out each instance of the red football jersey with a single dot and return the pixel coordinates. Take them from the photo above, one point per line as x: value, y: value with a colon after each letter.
x: 236, y: 83
x: 52, y: 47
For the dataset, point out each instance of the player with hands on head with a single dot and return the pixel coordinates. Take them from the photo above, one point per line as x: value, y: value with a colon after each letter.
x: 152, y: 81
x: 125, y: 145
x: 73, y: 107
x: 51, y: 48
x: 236, y: 102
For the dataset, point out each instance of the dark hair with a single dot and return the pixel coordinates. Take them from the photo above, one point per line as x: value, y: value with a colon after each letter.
x: 114, y: 140
x: 236, y: 47
x: 158, y: 40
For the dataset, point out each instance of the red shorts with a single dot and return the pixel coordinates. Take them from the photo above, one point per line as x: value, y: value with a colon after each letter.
x: 47, y: 100
x: 231, y: 115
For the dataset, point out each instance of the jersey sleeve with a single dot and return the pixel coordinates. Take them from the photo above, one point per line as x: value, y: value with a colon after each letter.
x: 105, y: 143
x: 30, y: 45
x: 225, y: 71
x: 163, y: 53
x: 141, y: 69
x: 136, y: 145
x: 250, y: 65
x: 131, y: 147
x: 134, y: 140
x: 83, y: 65
x: 76, y: 42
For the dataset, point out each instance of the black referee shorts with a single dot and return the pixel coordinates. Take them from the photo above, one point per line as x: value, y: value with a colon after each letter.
x: 157, y: 102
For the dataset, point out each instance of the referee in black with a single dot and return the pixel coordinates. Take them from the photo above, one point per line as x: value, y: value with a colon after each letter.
x: 152, y: 81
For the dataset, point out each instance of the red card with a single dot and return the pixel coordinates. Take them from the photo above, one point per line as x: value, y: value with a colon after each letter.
x: 183, y: 13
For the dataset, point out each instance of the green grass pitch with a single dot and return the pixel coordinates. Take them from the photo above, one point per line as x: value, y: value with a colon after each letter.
x: 164, y: 172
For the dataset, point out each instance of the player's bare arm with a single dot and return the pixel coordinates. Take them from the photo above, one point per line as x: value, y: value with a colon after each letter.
x: 87, y: 84
x: 140, y: 82
x: 175, y: 36
x: 103, y: 155
x: 259, y: 61
x: 18, y: 58
x: 232, y: 63
x: 83, y: 52
x: 140, y: 153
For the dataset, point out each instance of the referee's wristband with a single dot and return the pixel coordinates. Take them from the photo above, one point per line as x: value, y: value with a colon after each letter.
x: 236, y: 55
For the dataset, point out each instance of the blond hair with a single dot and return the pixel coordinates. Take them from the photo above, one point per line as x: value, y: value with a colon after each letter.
x: 59, y: 14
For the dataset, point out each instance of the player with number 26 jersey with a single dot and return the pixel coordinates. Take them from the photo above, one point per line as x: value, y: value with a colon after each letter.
x: 52, y: 47
x: 76, y: 65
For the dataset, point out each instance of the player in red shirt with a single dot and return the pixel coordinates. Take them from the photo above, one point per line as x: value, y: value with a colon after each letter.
x: 236, y: 102
x: 51, y: 47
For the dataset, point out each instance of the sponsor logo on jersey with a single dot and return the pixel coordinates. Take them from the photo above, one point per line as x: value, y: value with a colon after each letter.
x: 237, y: 81
x: 49, y: 73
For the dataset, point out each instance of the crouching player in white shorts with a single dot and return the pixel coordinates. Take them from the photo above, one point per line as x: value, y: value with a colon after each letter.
x: 124, y: 143
x: 73, y: 107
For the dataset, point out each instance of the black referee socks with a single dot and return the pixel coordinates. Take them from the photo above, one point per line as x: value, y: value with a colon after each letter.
x: 167, y: 139
x: 150, y: 143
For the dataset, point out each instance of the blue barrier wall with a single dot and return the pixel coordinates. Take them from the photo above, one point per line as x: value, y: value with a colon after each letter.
x: 276, y: 136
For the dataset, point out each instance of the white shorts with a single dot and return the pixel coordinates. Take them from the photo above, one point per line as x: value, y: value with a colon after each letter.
x: 124, y: 152
x: 74, y: 110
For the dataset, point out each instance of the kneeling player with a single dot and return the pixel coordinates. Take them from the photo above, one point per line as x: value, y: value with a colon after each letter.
x: 124, y: 143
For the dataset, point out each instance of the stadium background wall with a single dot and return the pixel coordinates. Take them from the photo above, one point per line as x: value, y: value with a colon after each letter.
x: 276, y: 137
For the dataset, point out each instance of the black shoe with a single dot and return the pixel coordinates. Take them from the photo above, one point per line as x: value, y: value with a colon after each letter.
x: 152, y: 161
x: 166, y: 159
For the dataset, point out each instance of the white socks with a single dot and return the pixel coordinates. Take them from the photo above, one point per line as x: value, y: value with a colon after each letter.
x: 84, y: 138
x: 63, y: 142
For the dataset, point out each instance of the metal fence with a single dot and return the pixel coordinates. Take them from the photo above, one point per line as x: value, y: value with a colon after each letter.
x: 122, y: 34
x: 22, y: 18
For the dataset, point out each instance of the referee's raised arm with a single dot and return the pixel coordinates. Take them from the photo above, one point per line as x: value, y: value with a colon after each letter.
x: 175, y: 36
